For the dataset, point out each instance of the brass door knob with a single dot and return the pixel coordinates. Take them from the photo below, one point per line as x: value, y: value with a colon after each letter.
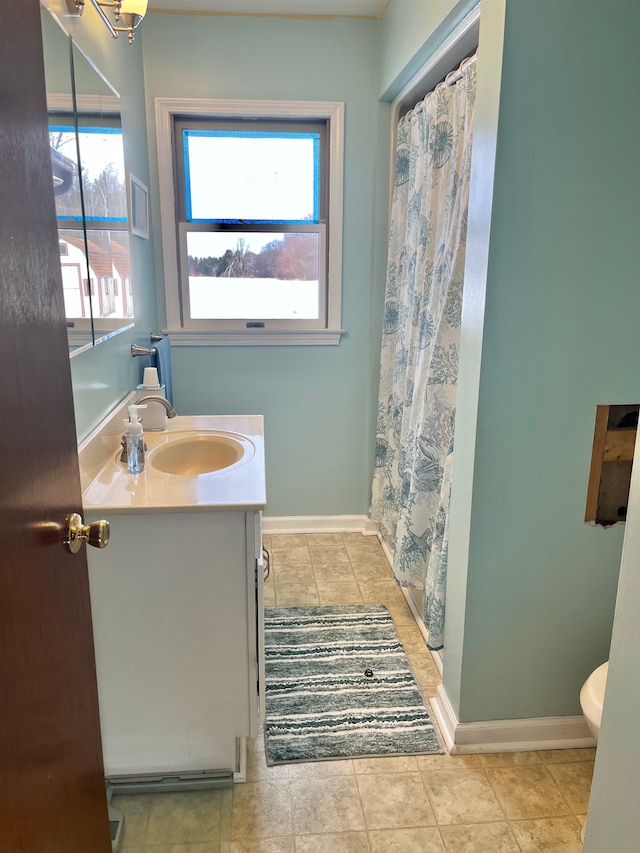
x: 77, y: 532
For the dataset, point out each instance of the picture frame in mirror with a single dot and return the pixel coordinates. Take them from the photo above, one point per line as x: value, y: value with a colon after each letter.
x: 138, y: 196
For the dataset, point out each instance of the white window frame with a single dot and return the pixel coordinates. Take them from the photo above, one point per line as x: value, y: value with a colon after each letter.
x: 332, y: 112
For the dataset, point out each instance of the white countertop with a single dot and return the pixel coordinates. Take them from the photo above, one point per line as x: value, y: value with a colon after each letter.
x: 107, y: 485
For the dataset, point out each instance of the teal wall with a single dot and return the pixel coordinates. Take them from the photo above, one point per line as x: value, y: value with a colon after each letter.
x: 317, y: 401
x: 409, y: 32
x: 613, y: 822
x: 105, y: 374
x: 560, y: 336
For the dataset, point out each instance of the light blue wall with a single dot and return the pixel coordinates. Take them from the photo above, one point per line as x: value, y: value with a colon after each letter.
x: 316, y: 400
x: 104, y: 374
x: 613, y: 822
x: 560, y: 336
x: 409, y: 32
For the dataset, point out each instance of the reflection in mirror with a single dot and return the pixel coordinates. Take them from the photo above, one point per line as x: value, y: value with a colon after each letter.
x: 66, y: 182
x: 87, y: 156
x: 104, y: 199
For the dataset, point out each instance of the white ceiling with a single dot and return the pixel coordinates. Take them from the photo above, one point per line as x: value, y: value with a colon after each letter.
x: 313, y: 8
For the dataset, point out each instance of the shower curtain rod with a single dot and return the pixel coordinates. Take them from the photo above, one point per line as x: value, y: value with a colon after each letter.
x: 450, y: 80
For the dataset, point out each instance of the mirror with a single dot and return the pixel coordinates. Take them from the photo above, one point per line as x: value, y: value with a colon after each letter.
x: 87, y: 159
x: 104, y: 198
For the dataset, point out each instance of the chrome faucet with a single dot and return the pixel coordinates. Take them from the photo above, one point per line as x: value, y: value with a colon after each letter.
x: 154, y: 398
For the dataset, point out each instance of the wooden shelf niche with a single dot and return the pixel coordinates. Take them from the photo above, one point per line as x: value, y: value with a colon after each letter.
x: 611, y: 461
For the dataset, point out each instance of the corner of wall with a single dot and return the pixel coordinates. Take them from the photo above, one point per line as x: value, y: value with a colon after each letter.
x: 492, y: 24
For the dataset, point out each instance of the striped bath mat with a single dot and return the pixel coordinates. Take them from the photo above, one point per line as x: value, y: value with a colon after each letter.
x: 338, y: 685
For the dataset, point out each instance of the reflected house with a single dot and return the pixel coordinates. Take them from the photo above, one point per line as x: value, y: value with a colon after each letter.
x: 122, y: 266
x: 109, y: 278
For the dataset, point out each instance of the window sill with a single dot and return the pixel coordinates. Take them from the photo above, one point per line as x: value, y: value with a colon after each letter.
x: 255, y: 337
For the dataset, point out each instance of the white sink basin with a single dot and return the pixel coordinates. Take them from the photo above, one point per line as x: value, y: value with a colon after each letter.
x: 199, y: 462
x: 194, y: 454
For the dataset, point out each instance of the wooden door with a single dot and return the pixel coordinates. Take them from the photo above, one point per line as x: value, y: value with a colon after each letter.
x: 52, y: 791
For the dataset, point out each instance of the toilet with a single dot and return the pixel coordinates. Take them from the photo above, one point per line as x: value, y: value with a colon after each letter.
x: 592, y: 698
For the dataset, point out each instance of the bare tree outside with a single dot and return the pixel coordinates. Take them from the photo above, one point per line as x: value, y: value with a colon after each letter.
x: 279, y: 280
x: 293, y: 258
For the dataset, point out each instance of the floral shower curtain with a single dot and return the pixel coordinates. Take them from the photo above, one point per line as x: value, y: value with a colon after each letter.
x: 421, y: 335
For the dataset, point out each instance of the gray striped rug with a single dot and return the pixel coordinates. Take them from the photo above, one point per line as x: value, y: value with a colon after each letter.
x: 339, y: 685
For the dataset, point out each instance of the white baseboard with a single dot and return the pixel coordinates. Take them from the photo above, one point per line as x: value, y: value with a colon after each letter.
x: 507, y: 735
x: 318, y: 524
x: 387, y: 551
x: 437, y: 656
x: 438, y: 659
x: 240, y: 774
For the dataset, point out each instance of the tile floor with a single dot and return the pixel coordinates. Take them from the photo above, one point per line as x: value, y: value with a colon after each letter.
x: 502, y: 803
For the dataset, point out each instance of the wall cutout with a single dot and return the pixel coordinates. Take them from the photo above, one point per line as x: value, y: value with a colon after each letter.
x: 611, y: 461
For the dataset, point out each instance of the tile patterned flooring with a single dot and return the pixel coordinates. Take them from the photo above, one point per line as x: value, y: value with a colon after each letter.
x: 499, y: 803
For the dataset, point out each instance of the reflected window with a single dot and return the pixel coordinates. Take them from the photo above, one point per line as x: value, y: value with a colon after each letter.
x: 89, y: 178
x: 97, y: 155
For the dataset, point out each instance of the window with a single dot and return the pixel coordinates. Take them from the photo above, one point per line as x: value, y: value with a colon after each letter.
x: 251, y: 197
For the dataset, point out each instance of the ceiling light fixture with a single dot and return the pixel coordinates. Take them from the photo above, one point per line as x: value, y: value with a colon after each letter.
x: 127, y: 12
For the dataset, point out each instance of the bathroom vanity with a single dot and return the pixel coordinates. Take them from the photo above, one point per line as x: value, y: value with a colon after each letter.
x: 177, y: 598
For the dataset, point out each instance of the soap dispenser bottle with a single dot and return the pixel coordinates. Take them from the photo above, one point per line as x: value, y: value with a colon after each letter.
x: 135, y: 441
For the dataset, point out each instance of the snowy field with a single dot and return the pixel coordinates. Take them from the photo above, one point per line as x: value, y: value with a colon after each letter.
x: 252, y: 299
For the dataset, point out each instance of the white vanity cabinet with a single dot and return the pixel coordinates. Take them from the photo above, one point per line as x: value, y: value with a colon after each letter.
x: 177, y: 603
x: 177, y: 618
